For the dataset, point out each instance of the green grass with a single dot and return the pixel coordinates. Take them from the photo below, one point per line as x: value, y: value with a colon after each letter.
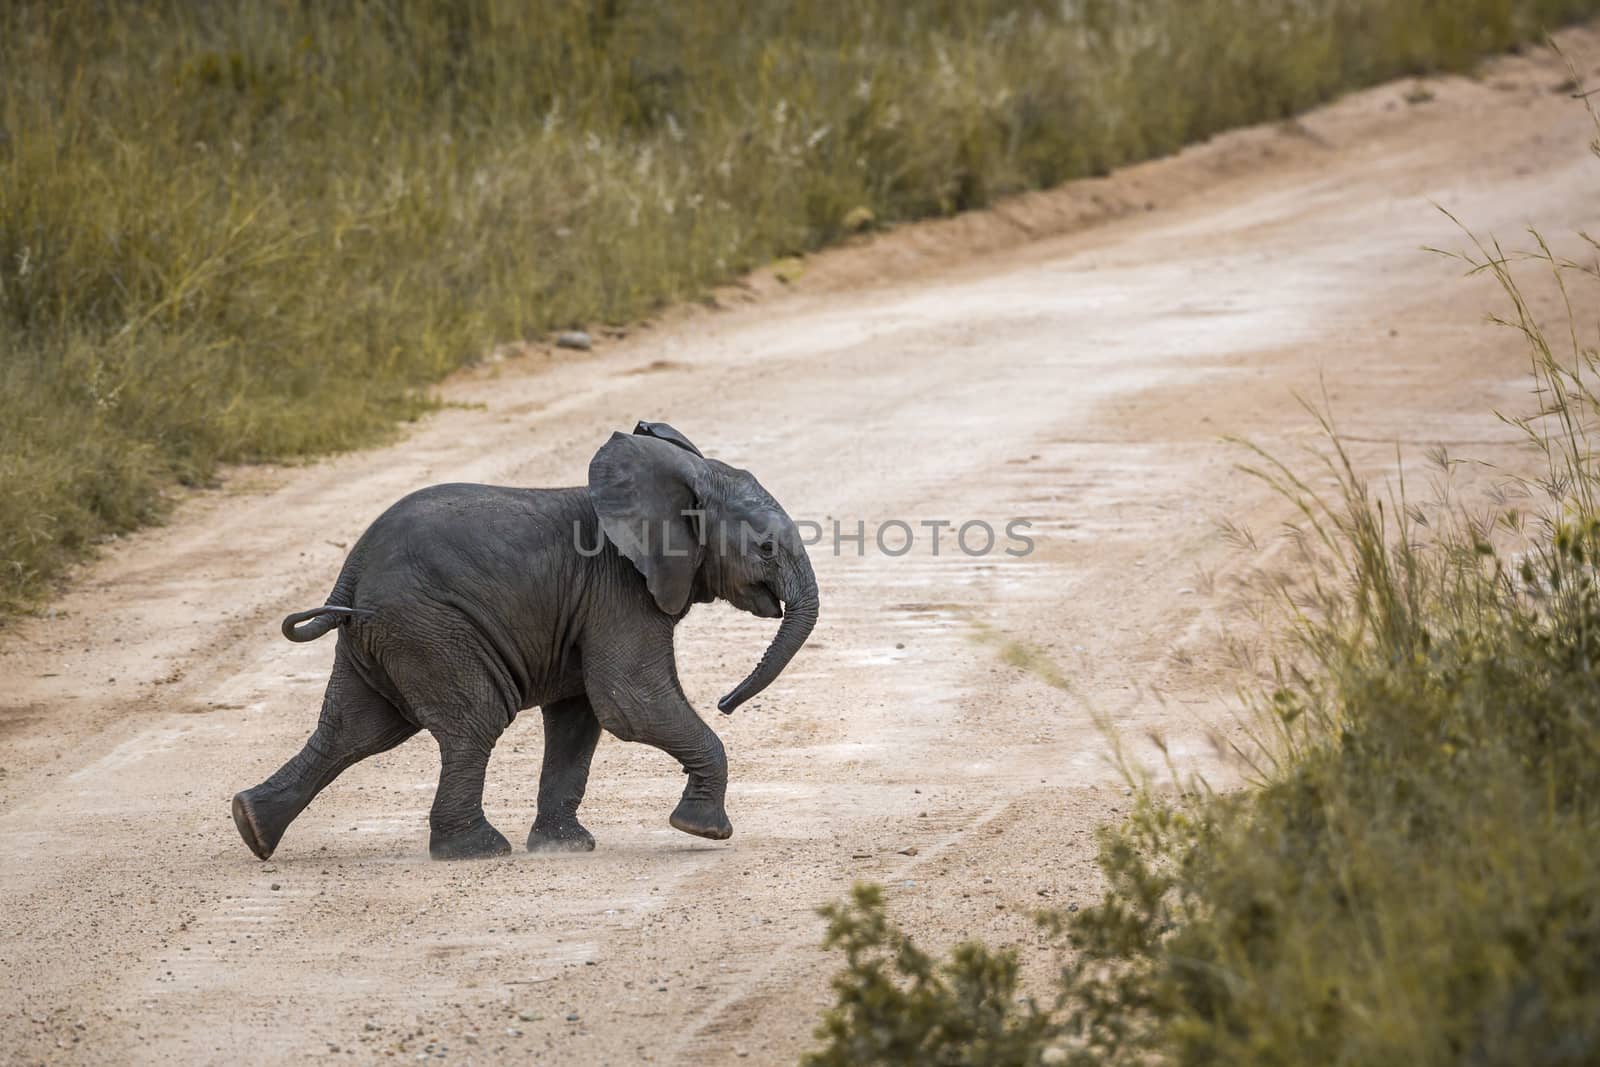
x: 1413, y: 876
x: 242, y: 230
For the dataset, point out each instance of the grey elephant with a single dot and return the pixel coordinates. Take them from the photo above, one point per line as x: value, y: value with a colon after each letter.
x: 463, y: 604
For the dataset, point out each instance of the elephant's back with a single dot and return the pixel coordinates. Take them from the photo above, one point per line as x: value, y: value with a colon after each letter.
x: 460, y: 536
x: 454, y: 504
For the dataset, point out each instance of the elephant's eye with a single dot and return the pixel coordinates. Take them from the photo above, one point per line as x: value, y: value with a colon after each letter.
x: 767, y: 549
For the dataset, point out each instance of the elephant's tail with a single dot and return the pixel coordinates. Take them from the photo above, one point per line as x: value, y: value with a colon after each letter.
x: 317, y: 621
x: 310, y: 625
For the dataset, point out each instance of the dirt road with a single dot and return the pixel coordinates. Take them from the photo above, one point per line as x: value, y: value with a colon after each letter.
x: 937, y: 733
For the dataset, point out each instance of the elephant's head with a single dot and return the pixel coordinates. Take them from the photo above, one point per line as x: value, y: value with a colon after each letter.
x: 698, y: 529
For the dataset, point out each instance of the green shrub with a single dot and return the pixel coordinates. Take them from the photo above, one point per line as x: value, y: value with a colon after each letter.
x: 1414, y: 877
x: 897, y: 1005
x: 237, y: 230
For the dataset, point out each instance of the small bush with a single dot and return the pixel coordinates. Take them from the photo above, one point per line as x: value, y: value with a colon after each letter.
x: 897, y: 1005
x: 1414, y: 878
x: 238, y: 230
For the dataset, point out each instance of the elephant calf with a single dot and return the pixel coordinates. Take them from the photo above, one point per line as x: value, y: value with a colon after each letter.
x: 463, y: 604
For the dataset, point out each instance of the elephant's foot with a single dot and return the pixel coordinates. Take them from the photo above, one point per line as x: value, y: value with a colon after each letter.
x: 259, y: 823
x: 565, y: 836
x: 702, y: 817
x: 480, y: 841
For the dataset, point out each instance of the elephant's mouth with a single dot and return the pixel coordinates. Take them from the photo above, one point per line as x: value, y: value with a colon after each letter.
x: 765, y: 603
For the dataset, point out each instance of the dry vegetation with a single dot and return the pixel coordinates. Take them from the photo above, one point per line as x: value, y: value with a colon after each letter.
x: 243, y: 230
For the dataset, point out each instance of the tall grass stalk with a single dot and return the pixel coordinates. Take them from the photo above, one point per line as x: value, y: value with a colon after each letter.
x: 238, y: 230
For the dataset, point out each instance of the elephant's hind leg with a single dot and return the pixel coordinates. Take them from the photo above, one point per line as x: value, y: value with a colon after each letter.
x: 454, y: 688
x: 570, y: 734
x: 457, y: 827
x: 356, y: 722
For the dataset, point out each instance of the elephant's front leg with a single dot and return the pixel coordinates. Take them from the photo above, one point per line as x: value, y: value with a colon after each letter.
x: 638, y: 698
x: 700, y: 810
x: 571, y: 732
x: 683, y: 735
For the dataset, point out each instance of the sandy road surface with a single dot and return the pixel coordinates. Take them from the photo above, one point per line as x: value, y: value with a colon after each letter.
x: 1083, y: 380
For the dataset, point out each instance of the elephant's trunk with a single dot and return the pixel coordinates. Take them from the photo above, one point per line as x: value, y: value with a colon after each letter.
x: 799, y: 616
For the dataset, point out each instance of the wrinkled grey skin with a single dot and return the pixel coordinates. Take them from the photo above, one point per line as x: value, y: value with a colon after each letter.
x: 463, y: 604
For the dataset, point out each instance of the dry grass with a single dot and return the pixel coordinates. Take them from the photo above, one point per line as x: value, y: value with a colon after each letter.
x: 241, y: 229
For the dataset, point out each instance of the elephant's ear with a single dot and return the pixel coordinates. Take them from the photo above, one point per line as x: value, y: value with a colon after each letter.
x: 645, y: 491
x: 662, y: 431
